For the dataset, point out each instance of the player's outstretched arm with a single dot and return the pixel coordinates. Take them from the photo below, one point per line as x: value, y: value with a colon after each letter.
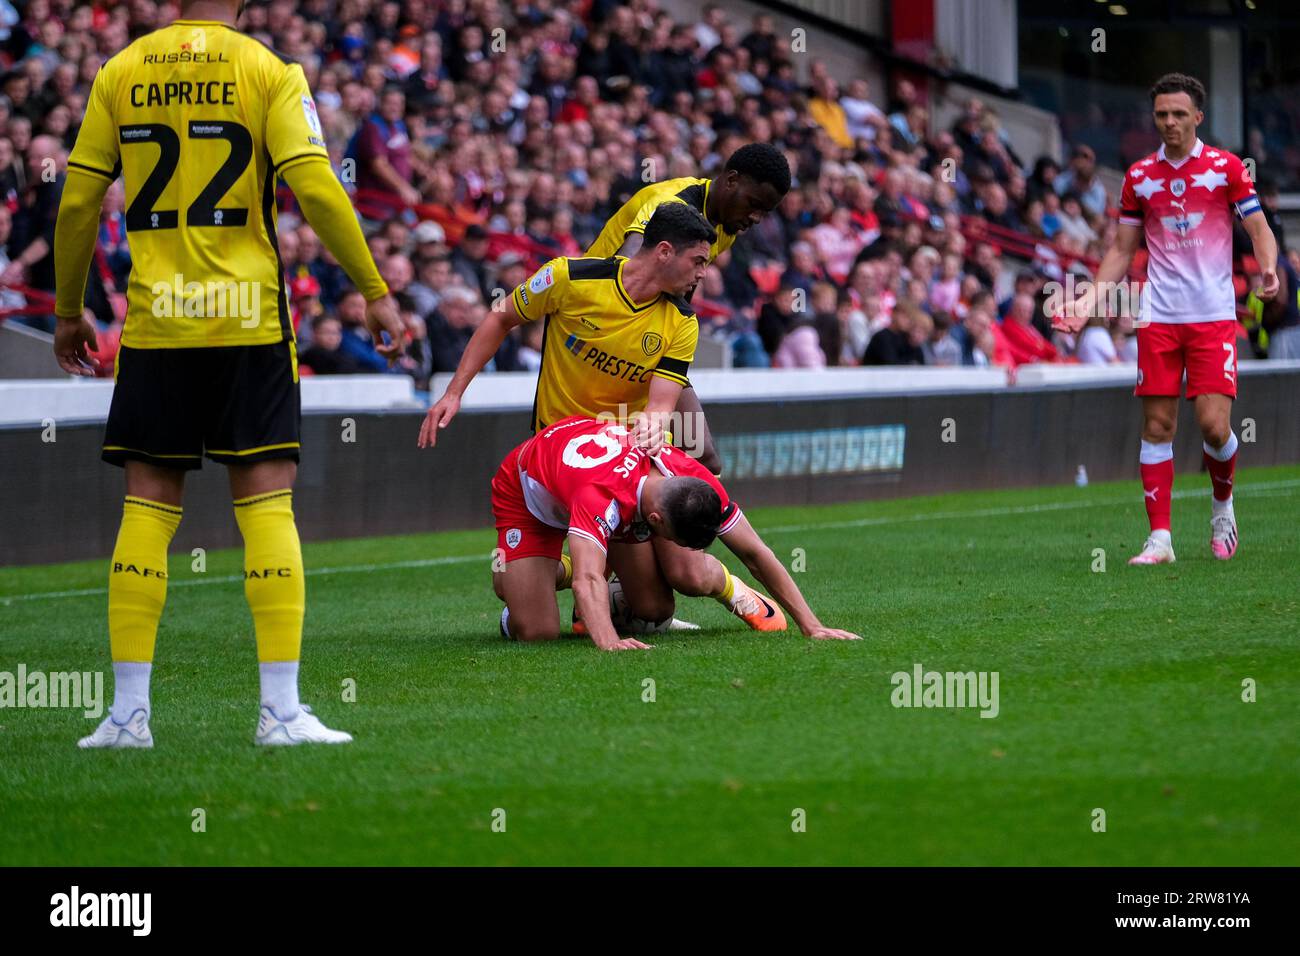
x: 75, y: 231
x: 1261, y: 237
x: 745, y: 544
x: 483, y: 344
x: 329, y: 211
x: 591, y: 594
x: 1114, y: 266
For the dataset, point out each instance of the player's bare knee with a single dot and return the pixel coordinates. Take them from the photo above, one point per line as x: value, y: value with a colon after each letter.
x: 524, y: 629
x: 691, y: 578
x: 651, y: 607
x: 499, y: 584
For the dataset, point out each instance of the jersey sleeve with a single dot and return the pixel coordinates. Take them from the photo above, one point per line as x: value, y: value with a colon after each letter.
x: 596, y: 515
x: 293, y: 130
x: 676, y: 360
x: 97, y: 148
x: 543, y: 292
x: 641, y: 218
x: 1130, y: 207
x: 1241, y: 190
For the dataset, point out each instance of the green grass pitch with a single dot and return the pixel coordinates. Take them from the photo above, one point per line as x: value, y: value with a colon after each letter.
x: 1119, y: 690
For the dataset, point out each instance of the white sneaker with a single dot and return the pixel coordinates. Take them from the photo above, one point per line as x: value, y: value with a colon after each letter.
x: 306, y: 728
x: 109, y: 733
x: 1157, y: 550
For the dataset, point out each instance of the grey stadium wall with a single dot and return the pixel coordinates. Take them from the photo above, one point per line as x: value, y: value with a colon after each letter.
x: 806, y: 451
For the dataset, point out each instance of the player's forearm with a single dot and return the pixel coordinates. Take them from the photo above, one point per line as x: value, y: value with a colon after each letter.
x: 1265, y: 246
x: 75, y: 231
x: 591, y: 594
x: 771, y: 573
x: 329, y: 211
x: 1114, y: 265
x: 483, y: 344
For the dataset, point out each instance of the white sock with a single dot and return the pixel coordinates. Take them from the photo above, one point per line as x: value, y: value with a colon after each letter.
x: 1162, y: 535
x: 1227, y: 451
x: 1218, y: 507
x: 130, y: 689
x: 280, y: 688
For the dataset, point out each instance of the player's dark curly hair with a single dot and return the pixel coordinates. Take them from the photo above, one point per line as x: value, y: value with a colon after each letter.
x: 679, y: 224
x: 693, y: 510
x: 1180, y: 83
x: 763, y: 163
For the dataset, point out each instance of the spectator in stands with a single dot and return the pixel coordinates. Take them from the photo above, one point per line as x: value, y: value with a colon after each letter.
x: 898, y: 344
x: 326, y: 355
x: 800, y: 347
x: 1025, y: 342
x: 382, y: 150
x: 864, y: 118
x: 1081, y: 179
x: 1096, y: 346
x: 776, y: 318
x: 1074, y: 225
x: 356, y: 339
x: 469, y: 259
x: 941, y: 348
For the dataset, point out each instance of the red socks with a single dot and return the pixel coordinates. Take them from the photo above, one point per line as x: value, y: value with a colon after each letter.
x: 1158, y: 482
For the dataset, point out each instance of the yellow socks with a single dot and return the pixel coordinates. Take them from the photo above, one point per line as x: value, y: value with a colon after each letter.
x: 728, y: 588
x: 273, y: 575
x: 564, y: 579
x: 137, y: 580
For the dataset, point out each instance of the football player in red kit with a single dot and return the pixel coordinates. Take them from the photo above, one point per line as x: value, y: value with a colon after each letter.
x: 584, y: 480
x: 1182, y: 199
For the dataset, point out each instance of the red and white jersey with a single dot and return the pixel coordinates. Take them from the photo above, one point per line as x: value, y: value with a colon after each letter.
x: 1186, y: 209
x: 585, y: 476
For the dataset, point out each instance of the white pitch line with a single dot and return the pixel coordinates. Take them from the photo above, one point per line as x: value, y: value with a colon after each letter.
x: 1006, y: 512
x: 1250, y: 490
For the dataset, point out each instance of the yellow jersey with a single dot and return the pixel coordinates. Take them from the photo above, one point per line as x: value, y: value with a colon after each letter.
x: 199, y: 119
x: 634, y: 215
x: 599, y: 348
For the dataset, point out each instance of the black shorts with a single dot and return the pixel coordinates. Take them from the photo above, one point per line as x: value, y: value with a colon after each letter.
x: 234, y: 404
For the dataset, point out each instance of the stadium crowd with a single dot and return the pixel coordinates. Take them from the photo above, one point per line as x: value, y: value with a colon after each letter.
x: 483, y: 137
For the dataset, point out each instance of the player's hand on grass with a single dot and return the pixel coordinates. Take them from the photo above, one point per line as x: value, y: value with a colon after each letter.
x: 1268, y: 289
x: 625, y: 644
x: 437, y: 418
x: 382, y: 316
x: 832, y: 634
x: 74, y: 340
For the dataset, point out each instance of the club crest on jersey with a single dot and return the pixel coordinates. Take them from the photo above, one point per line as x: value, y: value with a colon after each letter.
x: 611, y: 515
x: 651, y: 343
x: 542, y: 281
x: 1178, y: 187
x: 513, y: 537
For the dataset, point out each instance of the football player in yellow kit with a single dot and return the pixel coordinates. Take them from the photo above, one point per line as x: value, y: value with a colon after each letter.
x: 199, y: 120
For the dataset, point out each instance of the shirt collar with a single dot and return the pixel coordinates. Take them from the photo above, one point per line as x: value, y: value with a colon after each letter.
x: 1194, y: 154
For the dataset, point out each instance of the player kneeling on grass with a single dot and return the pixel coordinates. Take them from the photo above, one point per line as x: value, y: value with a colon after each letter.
x: 585, y: 480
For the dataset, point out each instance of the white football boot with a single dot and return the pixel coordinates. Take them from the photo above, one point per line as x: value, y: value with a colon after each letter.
x: 1159, y: 549
x: 134, y: 733
x: 306, y: 728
